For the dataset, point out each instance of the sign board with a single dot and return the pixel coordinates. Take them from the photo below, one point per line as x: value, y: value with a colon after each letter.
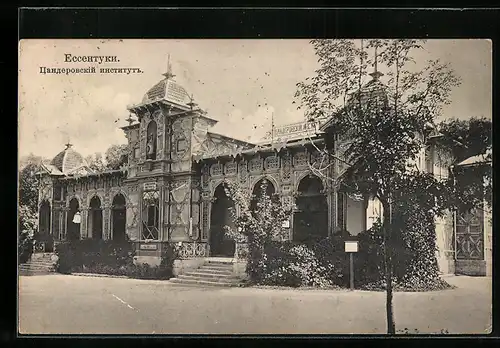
x: 148, y: 247
x: 351, y: 246
x: 285, y: 224
x: 149, y: 186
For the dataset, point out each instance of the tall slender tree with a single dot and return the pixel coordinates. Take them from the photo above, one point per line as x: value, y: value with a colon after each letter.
x: 382, y: 126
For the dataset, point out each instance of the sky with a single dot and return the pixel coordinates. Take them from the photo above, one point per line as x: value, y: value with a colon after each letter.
x: 241, y: 83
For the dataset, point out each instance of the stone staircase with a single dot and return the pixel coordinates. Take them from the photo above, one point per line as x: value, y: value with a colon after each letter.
x: 215, y: 272
x: 39, y: 264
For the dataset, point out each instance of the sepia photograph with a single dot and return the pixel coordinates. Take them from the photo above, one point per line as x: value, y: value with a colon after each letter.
x: 242, y: 186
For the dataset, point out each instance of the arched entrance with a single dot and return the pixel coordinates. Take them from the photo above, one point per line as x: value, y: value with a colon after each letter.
x: 44, y: 219
x: 73, y: 229
x: 118, y: 217
x: 311, y: 217
x: 95, y: 218
x: 220, y: 216
x: 263, y: 186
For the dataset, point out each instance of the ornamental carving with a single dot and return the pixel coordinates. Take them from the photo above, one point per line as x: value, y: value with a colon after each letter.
x: 134, y: 214
x: 191, y: 250
x: 45, y: 190
x: 255, y: 164
x: 180, y: 191
x: 243, y: 172
x: 216, y: 169
x: 205, y: 177
x: 317, y: 160
x: 231, y: 168
x: 205, y: 221
x: 286, y: 167
x: 180, y: 139
x: 300, y: 159
x: 271, y: 162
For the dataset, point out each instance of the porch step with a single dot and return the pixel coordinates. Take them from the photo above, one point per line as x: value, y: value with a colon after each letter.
x: 201, y: 272
x: 220, y: 260
x: 212, y: 273
x: 202, y: 283
x: 208, y: 277
x: 41, y: 263
x: 38, y: 264
x: 23, y: 272
x: 217, y: 267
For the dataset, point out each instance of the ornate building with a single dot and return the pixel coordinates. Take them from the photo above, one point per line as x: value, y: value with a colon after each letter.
x: 171, y: 190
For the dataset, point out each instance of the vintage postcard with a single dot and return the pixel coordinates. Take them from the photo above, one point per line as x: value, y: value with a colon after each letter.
x: 272, y: 186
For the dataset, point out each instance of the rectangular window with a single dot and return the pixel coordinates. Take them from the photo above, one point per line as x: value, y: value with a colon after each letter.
x: 151, y: 215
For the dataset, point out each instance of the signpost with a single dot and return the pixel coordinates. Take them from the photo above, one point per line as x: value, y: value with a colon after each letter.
x: 351, y: 247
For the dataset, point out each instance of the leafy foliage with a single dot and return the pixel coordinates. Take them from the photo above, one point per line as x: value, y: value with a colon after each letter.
x: 110, y: 257
x: 116, y: 156
x: 465, y: 138
x: 271, y: 258
x: 96, y: 162
x: 28, y: 225
x: 28, y: 205
x: 385, y: 128
x: 28, y: 185
x: 471, y: 185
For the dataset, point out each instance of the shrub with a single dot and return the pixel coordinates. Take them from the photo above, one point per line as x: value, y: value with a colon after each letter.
x: 27, y: 229
x: 66, y: 258
x: 369, y: 260
x: 111, y: 257
x: 289, y: 264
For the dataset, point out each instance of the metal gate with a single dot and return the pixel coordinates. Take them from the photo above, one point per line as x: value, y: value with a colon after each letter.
x: 470, y: 235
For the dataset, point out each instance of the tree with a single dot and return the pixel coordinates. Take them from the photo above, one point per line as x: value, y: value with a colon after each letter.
x: 115, y: 158
x: 383, y: 126
x: 96, y: 162
x: 257, y: 227
x: 462, y: 139
x: 28, y: 204
x: 465, y: 138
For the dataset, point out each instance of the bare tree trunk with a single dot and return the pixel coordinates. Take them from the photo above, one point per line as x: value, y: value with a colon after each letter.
x: 391, y: 327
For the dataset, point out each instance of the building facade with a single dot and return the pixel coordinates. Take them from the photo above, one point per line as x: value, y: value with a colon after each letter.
x: 171, y: 190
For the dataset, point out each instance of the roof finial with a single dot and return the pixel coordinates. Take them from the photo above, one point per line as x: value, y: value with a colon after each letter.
x: 376, y: 74
x: 130, y: 120
x: 68, y: 145
x: 168, y: 75
x: 191, y: 103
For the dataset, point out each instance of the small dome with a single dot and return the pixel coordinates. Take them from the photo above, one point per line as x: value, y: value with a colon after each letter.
x: 169, y: 90
x: 68, y: 160
x: 373, y: 91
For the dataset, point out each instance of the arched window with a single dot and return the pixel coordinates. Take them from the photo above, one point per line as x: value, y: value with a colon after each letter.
x: 151, y: 139
x: 95, y: 218
x: 44, y: 218
x: 118, y: 220
x: 311, y: 217
x: 73, y: 231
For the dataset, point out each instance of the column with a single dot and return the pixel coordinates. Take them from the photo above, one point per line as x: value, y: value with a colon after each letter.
x: 63, y: 223
x: 106, y: 216
x: 83, y: 223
